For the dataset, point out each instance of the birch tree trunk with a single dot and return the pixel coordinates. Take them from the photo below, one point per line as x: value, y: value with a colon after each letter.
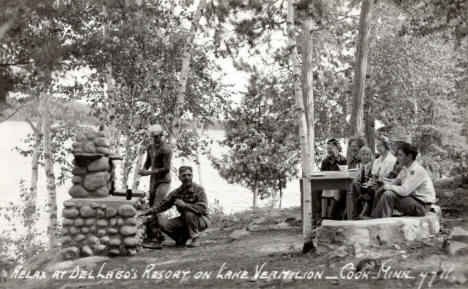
x: 308, y: 82
x: 109, y: 92
x: 360, y: 70
x: 108, y: 88
x: 255, y: 193
x: 280, y: 196
x: 198, y: 161
x: 49, y: 170
x: 138, y: 164
x: 127, y: 164
x: 184, y: 72
x: 198, y: 155
x: 32, y: 206
x: 301, y: 118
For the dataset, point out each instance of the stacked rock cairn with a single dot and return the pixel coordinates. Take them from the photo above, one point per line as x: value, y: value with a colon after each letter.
x: 95, y: 221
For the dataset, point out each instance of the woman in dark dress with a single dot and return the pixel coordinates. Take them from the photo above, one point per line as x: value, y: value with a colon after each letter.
x: 331, y: 163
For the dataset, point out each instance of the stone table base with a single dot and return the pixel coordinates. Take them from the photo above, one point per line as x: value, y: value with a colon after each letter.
x: 361, y: 233
x: 101, y: 226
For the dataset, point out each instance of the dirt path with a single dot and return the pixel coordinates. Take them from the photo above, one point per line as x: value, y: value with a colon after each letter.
x: 277, y: 255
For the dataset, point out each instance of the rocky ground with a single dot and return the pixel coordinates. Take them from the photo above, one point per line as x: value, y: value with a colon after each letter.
x: 244, y: 251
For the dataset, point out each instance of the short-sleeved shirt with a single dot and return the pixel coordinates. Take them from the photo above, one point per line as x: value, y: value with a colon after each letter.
x: 159, y: 158
x: 194, y: 196
x: 415, y: 182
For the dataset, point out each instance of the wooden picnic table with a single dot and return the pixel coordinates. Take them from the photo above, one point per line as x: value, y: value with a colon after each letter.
x: 331, y: 180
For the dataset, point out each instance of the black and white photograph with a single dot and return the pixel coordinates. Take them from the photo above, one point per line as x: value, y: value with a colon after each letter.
x: 233, y: 144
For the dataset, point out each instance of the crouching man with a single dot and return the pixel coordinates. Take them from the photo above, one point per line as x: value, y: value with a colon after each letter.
x: 411, y: 193
x: 190, y: 200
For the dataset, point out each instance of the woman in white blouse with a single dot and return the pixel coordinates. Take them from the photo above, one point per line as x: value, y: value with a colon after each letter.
x: 383, y: 165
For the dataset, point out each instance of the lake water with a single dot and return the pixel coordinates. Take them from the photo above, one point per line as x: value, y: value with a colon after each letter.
x: 15, y: 167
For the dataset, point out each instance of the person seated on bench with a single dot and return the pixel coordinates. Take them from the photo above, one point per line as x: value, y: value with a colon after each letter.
x: 398, y: 137
x: 363, y: 184
x: 330, y: 163
x: 190, y: 200
x: 355, y: 143
x: 411, y: 192
x: 384, y: 164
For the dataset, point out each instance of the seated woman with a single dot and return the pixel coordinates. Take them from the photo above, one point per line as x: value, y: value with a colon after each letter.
x: 354, y: 145
x: 330, y: 163
x: 364, y: 183
x: 384, y: 164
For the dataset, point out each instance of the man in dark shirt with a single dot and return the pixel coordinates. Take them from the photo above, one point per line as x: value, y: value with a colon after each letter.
x: 159, y: 160
x: 190, y: 200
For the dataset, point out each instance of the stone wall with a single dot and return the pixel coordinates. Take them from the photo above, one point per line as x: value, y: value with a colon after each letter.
x: 102, y: 226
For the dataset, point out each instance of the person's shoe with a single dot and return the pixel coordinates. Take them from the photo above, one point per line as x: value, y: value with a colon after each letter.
x: 194, y: 243
x: 152, y: 244
x: 181, y: 242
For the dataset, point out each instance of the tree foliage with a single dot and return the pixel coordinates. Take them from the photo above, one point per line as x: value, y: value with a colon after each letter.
x: 261, y: 137
x: 416, y: 83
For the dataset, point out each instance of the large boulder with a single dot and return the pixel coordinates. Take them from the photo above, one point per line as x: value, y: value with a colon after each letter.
x: 127, y: 211
x: 99, y: 165
x: 96, y: 180
x: 78, y: 191
x: 102, y: 142
x: 385, y: 231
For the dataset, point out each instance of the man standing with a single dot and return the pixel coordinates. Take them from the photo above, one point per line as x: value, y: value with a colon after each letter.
x: 411, y: 192
x: 158, y: 158
x: 190, y: 200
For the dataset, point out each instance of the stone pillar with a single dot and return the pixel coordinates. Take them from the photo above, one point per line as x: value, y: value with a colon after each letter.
x: 93, y: 170
x: 95, y: 221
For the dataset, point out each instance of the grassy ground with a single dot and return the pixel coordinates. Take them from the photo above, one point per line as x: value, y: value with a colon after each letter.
x: 280, y: 250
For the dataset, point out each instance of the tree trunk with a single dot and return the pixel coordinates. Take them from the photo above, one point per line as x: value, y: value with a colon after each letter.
x: 301, y: 118
x: 184, y: 72
x: 138, y: 164
x: 49, y: 170
x: 308, y: 82
x: 32, y: 206
x: 127, y: 164
x: 108, y: 89
x: 255, y: 193
x: 360, y: 70
x: 369, y: 121
x: 198, y: 161
x: 280, y: 194
x: 465, y: 126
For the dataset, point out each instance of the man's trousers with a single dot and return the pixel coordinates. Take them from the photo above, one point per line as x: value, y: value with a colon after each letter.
x: 389, y: 201
x: 182, y: 228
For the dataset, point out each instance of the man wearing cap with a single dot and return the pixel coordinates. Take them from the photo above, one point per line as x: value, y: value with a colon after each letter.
x: 411, y: 192
x: 190, y: 200
x: 158, y: 158
x: 397, y: 138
